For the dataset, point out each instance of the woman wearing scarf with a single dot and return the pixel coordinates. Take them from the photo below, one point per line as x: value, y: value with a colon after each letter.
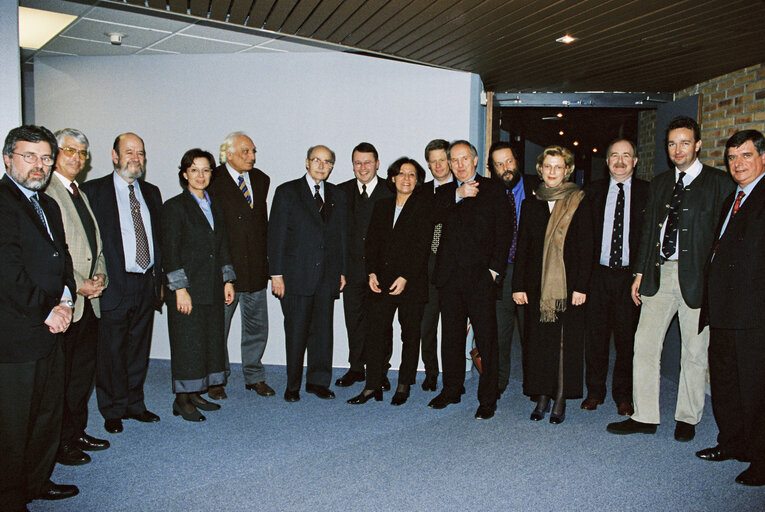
x: 551, y: 275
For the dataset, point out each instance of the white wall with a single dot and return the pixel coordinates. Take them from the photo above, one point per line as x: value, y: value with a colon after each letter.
x: 286, y: 102
x: 10, y: 85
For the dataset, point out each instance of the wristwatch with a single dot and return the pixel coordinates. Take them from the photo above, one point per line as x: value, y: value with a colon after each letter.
x: 67, y: 302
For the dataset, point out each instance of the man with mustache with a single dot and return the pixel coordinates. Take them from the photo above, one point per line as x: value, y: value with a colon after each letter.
x: 503, y: 164
x: 127, y: 210
x: 618, y: 203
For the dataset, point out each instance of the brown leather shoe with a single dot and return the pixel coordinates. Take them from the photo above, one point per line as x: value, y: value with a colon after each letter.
x: 261, y: 388
x: 625, y: 409
x: 590, y: 404
x: 217, y: 393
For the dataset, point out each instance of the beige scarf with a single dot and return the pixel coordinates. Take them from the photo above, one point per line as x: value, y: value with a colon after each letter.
x: 567, y: 197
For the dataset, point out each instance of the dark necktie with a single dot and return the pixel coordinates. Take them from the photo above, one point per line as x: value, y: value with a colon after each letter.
x: 245, y: 191
x: 364, y: 194
x: 317, y: 198
x: 514, y: 215
x: 75, y: 190
x: 669, y: 244
x: 141, y: 242
x: 39, y: 210
x: 617, y: 235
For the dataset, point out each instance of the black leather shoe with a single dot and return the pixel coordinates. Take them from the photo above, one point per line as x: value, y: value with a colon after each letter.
x: 538, y: 414
x: 717, y: 454
x: 442, y: 400
x: 91, y: 444
x: 485, y: 412
x: 430, y: 383
x: 684, y: 432
x: 51, y: 491
x: 631, y: 426
x: 322, y: 392
x: 400, y: 397
x: 752, y: 476
x: 113, y: 426
x: 143, y: 417
x: 291, y: 396
x: 69, y: 455
x: 386, y: 384
x: 351, y: 377
x: 202, y: 404
x: 365, y: 396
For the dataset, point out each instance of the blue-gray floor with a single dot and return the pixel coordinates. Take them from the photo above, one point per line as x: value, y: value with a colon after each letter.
x: 265, y: 454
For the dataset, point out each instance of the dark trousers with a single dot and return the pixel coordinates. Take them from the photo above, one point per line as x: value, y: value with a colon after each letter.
x: 308, y: 326
x: 429, y: 325
x: 354, y: 307
x: 79, y: 343
x: 463, y: 298
x: 610, y: 310
x: 507, y: 313
x: 31, y: 402
x: 737, y: 378
x: 381, y: 314
x: 124, y: 340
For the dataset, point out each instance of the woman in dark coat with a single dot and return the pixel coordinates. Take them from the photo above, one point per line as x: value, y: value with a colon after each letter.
x: 552, y: 273
x: 397, y: 248
x: 199, y: 278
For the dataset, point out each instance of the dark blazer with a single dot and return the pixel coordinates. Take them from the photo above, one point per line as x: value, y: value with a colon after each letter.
x: 597, y: 192
x: 191, y: 246
x: 400, y: 251
x: 103, y: 202
x: 358, y: 225
x: 35, y: 270
x: 476, y: 233
x: 736, y: 274
x: 703, y: 198
x: 246, y: 228
x: 304, y: 245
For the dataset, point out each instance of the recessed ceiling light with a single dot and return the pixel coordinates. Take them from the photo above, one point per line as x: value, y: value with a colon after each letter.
x: 559, y: 114
x: 566, y: 39
x: 576, y: 143
x: 37, y: 27
x: 594, y: 150
x: 560, y: 132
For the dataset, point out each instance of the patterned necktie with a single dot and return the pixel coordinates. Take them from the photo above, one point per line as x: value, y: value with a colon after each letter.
x: 364, y: 194
x: 514, y: 243
x: 617, y: 243
x: 669, y: 244
x: 436, y: 238
x: 39, y: 210
x: 245, y: 191
x: 317, y: 198
x: 737, y: 204
x: 75, y: 190
x: 141, y: 242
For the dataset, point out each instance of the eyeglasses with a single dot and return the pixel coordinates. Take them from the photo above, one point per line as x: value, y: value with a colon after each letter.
x: 317, y: 161
x: 70, y: 152
x: 33, y: 158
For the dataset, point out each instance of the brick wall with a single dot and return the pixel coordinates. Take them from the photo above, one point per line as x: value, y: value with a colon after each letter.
x: 646, y: 144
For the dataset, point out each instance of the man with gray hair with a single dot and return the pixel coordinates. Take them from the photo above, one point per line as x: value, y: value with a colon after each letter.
x: 79, y: 341
x: 242, y: 190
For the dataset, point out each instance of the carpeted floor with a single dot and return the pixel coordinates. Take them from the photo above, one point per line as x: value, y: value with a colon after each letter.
x: 265, y: 454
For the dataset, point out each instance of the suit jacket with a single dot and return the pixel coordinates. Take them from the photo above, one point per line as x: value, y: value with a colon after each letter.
x: 103, y: 202
x: 358, y: 226
x: 194, y: 255
x: 736, y: 274
x: 476, y: 233
x: 702, y: 200
x: 79, y: 247
x: 34, y: 272
x: 401, y: 250
x: 597, y: 192
x: 246, y: 228
x: 304, y: 245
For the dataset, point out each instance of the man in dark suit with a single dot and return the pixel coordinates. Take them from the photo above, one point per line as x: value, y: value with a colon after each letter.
x: 242, y: 190
x: 472, y: 254
x: 734, y: 300
x: 361, y: 194
x: 127, y: 210
x: 438, y: 163
x: 618, y: 203
x: 503, y: 165
x: 677, y: 235
x: 306, y: 256
x: 36, y: 286
x: 80, y: 340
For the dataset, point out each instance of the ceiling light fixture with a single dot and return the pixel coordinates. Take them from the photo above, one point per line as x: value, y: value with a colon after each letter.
x: 566, y: 39
x: 559, y: 114
x: 560, y: 132
x: 37, y: 27
x: 594, y: 150
x: 576, y: 143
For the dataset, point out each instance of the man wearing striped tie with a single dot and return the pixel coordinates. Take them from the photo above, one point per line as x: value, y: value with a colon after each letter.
x: 242, y: 189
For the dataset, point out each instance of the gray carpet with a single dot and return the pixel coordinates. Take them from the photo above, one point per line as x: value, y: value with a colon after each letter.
x: 265, y: 454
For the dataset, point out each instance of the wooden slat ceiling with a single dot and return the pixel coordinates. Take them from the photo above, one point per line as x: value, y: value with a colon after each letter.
x: 623, y: 45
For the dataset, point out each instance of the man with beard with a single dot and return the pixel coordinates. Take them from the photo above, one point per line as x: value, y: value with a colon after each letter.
x: 36, y: 286
x: 503, y: 164
x: 127, y: 211
x: 618, y: 203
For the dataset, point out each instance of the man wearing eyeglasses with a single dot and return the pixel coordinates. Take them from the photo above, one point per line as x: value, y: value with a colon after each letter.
x: 307, y: 261
x: 79, y: 342
x: 242, y: 189
x: 36, y: 286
